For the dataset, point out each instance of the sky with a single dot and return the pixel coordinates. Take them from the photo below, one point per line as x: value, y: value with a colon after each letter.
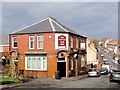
x: 91, y: 19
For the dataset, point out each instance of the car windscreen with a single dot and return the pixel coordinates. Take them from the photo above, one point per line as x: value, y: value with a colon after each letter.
x: 103, y: 69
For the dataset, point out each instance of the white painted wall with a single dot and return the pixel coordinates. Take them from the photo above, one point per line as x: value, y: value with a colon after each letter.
x: 91, y: 54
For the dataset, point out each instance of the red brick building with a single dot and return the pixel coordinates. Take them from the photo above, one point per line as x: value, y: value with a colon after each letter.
x: 48, y: 46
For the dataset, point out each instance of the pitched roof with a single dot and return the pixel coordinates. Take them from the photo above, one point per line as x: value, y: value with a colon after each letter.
x: 113, y: 41
x: 47, y: 25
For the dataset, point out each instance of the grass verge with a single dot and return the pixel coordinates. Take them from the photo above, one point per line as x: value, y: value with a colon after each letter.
x: 8, y: 80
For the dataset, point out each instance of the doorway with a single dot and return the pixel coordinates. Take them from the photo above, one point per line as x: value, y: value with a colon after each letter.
x: 61, y: 67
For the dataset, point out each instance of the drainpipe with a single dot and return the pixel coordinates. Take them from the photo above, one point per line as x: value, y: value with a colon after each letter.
x: 67, y: 66
x: 76, y: 67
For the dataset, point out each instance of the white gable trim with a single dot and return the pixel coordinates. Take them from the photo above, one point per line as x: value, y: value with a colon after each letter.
x: 28, y: 26
x: 59, y: 25
x: 53, y: 28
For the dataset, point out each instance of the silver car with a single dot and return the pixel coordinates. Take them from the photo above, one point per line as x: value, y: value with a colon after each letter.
x: 93, y: 73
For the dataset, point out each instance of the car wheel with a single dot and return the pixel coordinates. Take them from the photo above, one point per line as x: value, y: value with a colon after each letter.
x: 111, y: 81
x: 98, y: 75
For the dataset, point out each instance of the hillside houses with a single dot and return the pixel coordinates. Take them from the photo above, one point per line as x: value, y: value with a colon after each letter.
x: 93, y: 59
x: 112, y: 45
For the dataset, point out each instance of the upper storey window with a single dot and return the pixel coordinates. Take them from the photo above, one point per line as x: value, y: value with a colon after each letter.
x: 31, y: 42
x: 40, y: 42
x: 14, y: 42
x: 76, y: 42
x: 71, y: 42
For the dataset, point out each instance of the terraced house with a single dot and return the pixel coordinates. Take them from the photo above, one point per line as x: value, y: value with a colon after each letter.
x: 48, y: 46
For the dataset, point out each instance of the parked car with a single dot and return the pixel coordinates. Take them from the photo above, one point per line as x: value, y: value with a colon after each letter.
x: 116, y: 58
x: 93, y: 72
x: 113, y: 57
x: 107, y: 66
x: 104, y: 71
x: 104, y: 59
x: 115, y: 76
x: 101, y: 55
x: 106, y: 62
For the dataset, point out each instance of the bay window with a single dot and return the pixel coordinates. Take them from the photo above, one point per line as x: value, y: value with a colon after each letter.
x: 36, y: 63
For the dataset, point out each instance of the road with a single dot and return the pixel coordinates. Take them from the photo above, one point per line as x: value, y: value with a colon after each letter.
x: 111, y: 61
x: 90, y: 82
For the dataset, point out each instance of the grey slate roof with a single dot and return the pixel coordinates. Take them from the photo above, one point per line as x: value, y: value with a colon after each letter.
x: 48, y: 25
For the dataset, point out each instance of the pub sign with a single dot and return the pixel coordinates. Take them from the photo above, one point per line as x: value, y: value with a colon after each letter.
x: 61, y: 40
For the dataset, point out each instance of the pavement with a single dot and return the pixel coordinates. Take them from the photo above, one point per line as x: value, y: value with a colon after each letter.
x: 43, y: 82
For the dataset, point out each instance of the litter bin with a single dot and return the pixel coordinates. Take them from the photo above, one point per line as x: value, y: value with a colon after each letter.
x: 57, y: 75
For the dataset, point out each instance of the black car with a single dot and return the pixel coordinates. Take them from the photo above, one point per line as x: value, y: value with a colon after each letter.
x: 115, y: 76
x: 104, y: 71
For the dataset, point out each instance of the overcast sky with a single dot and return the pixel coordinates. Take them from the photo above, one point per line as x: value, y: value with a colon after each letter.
x: 91, y: 19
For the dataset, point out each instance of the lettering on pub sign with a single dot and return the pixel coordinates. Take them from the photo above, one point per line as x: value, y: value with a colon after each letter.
x: 61, y: 41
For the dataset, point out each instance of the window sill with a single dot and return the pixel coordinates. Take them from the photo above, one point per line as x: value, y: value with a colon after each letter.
x: 39, y: 48
x: 31, y: 49
x: 14, y: 48
x: 37, y: 70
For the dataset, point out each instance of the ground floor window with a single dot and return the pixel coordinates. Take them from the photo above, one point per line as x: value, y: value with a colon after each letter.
x: 36, y: 63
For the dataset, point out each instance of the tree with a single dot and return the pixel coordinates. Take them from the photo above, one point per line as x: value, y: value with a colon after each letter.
x: 96, y: 43
x: 103, y: 39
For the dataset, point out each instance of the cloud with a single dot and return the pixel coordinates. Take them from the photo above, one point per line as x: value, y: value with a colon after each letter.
x: 94, y: 20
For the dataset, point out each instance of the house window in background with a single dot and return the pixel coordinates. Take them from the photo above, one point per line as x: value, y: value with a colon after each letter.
x: 14, y: 42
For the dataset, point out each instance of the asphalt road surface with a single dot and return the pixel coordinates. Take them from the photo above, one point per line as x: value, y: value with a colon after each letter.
x: 111, y: 61
x: 90, y: 82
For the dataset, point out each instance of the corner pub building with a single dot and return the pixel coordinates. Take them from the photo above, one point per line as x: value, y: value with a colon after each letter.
x: 48, y: 46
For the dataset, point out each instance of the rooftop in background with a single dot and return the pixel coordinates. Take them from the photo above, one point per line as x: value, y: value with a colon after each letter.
x: 4, y: 39
x: 49, y: 24
x: 112, y: 41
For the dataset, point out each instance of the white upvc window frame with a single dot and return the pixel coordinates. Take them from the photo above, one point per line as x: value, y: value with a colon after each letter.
x: 71, y: 41
x: 40, y: 41
x: 41, y: 62
x: 82, y: 46
x: 33, y: 42
x: 14, y: 42
x: 76, y: 42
